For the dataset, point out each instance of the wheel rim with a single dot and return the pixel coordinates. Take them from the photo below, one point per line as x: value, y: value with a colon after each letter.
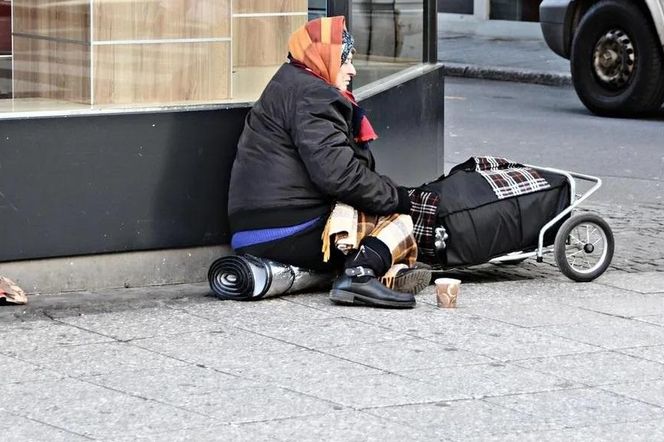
x: 587, y: 247
x: 614, y: 59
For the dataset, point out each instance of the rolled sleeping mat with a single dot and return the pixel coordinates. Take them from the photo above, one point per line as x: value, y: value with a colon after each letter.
x: 246, y: 277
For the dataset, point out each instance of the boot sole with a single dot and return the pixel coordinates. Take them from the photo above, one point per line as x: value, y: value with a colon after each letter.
x: 412, y: 282
x: 348, y: 298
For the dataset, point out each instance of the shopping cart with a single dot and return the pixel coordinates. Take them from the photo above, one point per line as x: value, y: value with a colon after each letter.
x: 582, y: 243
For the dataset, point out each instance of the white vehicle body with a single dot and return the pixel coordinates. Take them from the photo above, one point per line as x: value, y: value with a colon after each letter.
x: 616, y: 51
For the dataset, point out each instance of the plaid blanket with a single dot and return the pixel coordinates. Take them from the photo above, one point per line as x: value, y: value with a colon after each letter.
x: 346, y: 227
x: 507, y: 178
x: 424, y: 211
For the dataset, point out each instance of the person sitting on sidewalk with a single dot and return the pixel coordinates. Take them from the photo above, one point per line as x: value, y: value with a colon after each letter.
x: 303, y: 149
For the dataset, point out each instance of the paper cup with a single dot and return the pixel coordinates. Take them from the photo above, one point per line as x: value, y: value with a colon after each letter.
x: 447, y: 292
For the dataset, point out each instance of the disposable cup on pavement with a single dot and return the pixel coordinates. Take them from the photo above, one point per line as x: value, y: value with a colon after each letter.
x: 447, y: 292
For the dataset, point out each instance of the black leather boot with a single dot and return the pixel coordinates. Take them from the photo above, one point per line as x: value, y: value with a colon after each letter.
x: 359, y: 285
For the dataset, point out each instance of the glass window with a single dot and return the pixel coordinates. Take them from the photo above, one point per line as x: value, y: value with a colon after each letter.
x: 388, y: 37
x: 64, y: 55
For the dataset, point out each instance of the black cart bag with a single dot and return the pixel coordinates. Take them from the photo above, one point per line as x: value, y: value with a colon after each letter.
x: 486, y: 207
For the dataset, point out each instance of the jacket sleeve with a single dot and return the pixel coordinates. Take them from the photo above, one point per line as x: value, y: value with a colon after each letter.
x: 320, y: 135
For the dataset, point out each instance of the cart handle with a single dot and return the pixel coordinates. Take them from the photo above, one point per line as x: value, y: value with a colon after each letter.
x: 573, y: 201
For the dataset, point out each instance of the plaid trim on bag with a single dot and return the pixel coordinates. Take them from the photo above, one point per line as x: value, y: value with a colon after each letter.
x: 395, y: 231
x: 493, y: 163
x: 424, y: 212
x: 509, y: 179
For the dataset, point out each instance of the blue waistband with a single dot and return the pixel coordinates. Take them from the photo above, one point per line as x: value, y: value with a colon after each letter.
x: 252, y: 237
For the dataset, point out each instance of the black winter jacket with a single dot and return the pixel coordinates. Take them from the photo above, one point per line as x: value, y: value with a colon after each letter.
x: 296, y: 157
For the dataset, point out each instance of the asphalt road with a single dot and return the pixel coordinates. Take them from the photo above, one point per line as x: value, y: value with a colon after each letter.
x: 548, y: 126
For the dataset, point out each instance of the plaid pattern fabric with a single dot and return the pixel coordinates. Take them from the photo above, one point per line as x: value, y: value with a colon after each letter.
x: 509, y: 179
x: 424, y: 211
x: 346, y: 227
x: 318, y: 45
x: 494, y: 163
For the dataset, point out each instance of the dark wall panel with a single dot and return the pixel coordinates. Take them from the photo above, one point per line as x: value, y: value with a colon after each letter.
x: 107, y: 183
x: 409, y: 121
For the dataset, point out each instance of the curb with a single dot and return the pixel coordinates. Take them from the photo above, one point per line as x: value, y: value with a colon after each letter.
x: 40, y: 307
x: 501, y: 73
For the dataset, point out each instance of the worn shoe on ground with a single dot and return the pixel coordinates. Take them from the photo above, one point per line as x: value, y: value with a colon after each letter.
x: 412, y: 280
x: 359, y: 286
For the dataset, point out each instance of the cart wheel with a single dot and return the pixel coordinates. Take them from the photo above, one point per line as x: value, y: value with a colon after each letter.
x: 584, y: 247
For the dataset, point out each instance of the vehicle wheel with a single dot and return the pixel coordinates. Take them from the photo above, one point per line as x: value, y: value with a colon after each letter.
x: 616, y: 60
x: 584, y: 247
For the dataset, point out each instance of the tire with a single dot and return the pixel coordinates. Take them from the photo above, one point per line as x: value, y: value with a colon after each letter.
x: 629, y: 79
x: 587, y: 239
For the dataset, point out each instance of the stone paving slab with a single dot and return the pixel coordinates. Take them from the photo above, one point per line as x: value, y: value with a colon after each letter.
x: 507, y: 342
x: 464, y: 419
x: 17, y: 428
x: 375, y: 391
x: 626, y: 303
x: 323, y: 333
x: 484, y: 380
x: 291, y: 368
x: 536, y: 314
x: 652, y: 319
x: 226, y: 398
x: 639, y: 431
x: 610, y: 332
x: 97, y: 359
x: 93, y: 411
x: 582, y: 407
x: 407, y: 354
x: 214, y: 348
x: 207, y: 433
x: 143, y: 323
x: 651, y: 353
x: 639, y: 282
x: 598, y: 368
x: 341, y: 426
x: 651, y: 392
x: 44, y: 335
x: 17, y: 371
x: 241, y: 314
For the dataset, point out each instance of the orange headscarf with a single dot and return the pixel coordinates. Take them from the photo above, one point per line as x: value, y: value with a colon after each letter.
x: 318, y: 46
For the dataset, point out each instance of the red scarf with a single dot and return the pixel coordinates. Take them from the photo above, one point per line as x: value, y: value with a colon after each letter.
x: 365, y: 132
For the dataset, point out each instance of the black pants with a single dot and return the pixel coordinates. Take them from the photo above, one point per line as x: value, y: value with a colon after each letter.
x: 302, y: 250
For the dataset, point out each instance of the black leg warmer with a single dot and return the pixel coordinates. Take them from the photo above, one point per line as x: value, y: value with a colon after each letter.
x: 373, y: 253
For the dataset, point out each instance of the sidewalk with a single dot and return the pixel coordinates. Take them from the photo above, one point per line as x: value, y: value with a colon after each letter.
x: 527, y: 61
x: 521, y: 359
